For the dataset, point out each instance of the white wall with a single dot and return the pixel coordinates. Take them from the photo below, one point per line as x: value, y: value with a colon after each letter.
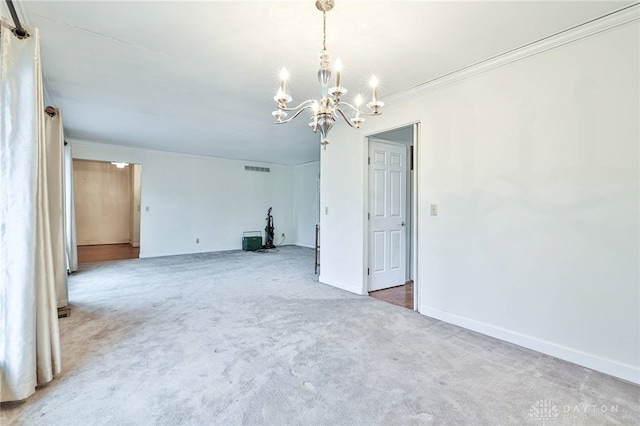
x: 305, y: 202
x: 534, y: 166
x: 208, y: 198
x: 135, y: 208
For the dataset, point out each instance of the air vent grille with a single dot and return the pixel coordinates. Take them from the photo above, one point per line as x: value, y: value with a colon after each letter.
x: 257, y: 169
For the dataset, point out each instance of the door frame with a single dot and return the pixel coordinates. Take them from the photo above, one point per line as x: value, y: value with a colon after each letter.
x: 412, y: 191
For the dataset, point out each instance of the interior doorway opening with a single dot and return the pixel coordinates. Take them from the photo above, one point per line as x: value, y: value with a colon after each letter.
x: 391, y: 217
x: 107, y: 209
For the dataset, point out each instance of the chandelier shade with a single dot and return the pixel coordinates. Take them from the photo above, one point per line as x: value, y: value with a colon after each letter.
x: 325, y: 110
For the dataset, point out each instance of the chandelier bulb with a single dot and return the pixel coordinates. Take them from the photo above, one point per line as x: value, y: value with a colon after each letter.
x: 337, y: 66
x: 374, y: 87
x: 284, y: 76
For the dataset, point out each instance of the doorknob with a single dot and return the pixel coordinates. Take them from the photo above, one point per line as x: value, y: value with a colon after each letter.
x: 403, y: 223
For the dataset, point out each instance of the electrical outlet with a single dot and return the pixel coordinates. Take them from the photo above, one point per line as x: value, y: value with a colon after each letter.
x: 197, y: 240
x: 434, y: 210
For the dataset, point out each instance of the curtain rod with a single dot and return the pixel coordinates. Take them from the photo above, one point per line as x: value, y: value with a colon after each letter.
x: 19, y: 30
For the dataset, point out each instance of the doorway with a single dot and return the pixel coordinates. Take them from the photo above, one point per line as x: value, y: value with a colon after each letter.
x: 391, y: 215
x: 107, y: 208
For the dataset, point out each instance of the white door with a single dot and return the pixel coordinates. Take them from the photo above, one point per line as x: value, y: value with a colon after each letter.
x: 387, y: 215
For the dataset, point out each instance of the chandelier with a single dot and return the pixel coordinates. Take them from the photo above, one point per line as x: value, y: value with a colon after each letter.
x: 325, y: 110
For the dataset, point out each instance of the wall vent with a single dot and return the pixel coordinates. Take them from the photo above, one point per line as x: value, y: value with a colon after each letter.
x: 257, y: 169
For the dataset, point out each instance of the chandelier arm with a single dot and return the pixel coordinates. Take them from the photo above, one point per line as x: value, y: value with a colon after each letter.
x: 349, y: 105
x: 372, y: 114
x: 305, y: 104
x: 293, y: 116
x: 345, y: 116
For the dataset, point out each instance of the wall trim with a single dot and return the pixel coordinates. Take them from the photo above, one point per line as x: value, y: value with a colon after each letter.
x: 127, y: 149
x: 613, y: 368
x: 615, y: 19
x: 122, y: 148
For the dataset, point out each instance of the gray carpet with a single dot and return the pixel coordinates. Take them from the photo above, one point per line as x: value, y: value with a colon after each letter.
x: 246, y: 338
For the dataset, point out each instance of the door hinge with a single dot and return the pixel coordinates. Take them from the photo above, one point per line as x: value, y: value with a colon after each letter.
x: 368, y: 216
x: 369, y: 160
x: 367, y: 271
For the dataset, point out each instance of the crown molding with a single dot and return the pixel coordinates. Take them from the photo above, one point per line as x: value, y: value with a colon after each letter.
x: 615, y: 19
x: 133, y: 154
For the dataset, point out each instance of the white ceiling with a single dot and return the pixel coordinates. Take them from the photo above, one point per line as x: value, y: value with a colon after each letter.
x: 199, y: 77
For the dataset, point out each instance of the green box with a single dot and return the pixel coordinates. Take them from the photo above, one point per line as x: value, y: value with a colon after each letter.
x: 251, y: 242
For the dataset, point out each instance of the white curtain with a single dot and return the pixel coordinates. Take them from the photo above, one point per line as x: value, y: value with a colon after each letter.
x: 55, y: 185
x: 29, y: 334
x: 70, y: 212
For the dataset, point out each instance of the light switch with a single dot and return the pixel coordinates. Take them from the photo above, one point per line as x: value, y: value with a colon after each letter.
x: 434, y: 210
x: 326, y: 211
x: 146, y: 208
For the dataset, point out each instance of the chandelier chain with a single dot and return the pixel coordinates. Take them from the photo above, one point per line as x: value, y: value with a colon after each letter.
x: 324, y: 30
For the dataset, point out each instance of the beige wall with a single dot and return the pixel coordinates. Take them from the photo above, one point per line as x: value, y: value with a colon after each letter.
x: 103, y: 202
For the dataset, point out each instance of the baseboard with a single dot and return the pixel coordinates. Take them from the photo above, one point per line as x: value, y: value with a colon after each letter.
x: 613, y: 368
x: 134, y: 244
x: 341, y: 286
x: 102, y: 244
x: 304, y: 245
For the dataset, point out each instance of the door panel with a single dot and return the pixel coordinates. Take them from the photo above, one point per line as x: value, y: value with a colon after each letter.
x: 396, y: 250
x: 379, y: 191
x: 397, y: 199
x: 387, y: 204
x: 379, y: 251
